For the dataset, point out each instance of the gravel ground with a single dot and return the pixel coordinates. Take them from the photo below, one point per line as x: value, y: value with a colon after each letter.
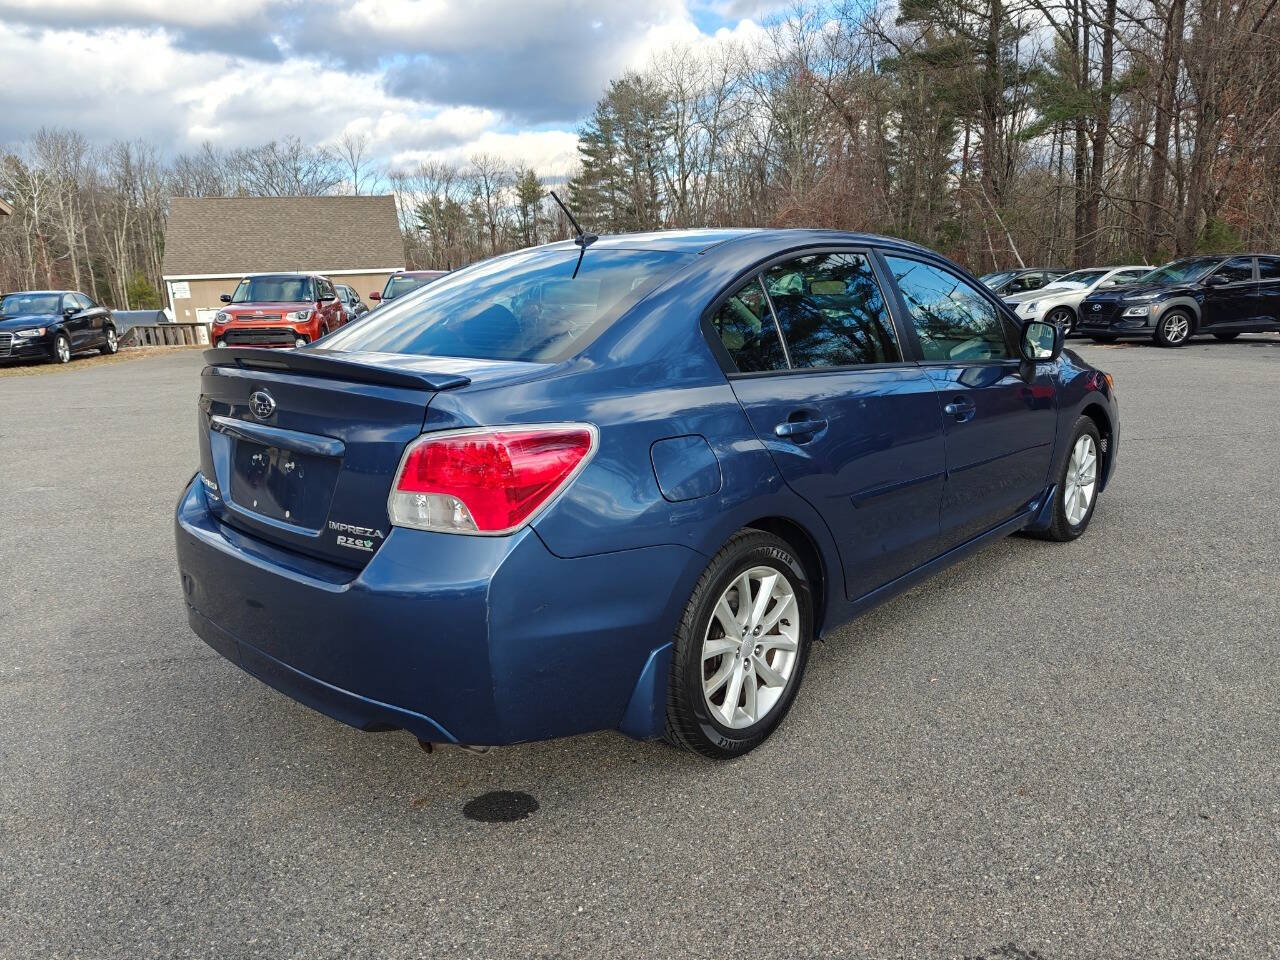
x: 1048, y: 751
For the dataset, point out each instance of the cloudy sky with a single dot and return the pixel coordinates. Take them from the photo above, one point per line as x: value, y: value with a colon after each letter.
x: 423, y: 78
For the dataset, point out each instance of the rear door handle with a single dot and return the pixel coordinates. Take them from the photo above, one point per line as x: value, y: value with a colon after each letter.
x: 961, y: 409
x: 799, y: 428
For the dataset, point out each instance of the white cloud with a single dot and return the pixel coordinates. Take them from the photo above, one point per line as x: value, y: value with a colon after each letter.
x: 551, y: 153
x: 429, y: 79
x: 154, y: 12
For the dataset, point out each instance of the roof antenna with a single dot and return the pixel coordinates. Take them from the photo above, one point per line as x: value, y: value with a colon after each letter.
x: 583, y: 239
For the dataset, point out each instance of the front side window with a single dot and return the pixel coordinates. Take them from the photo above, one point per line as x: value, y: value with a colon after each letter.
x: 746, y: 328
x: 1028, y: 281
x: 530, y: 305
x: 953, y: 321
x: 1239, y: 270
x: 399, y: 285
x: 269, y: 289
x: 831, y: 311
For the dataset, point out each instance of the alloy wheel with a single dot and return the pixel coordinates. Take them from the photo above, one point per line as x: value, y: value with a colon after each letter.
x: 1176, y: 327
x: 1082, y: 480
x: 750, y: 649
x: 111, y: 340
x: 64, y: 350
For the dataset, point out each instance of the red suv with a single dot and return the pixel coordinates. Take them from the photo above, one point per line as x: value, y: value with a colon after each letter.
x: 278, y: 310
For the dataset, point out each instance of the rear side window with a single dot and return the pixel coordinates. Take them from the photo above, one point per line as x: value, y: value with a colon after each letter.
x: 953, y: 321
x: 527, y: 306
x: 746, y: 328
x: 1238, y: 270
x: 831, y: 311
x: 1268, y: 268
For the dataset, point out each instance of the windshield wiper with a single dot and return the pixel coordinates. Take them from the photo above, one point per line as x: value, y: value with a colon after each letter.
x: 583, y: 239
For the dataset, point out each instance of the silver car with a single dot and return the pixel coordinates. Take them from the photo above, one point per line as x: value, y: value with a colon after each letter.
x: 1059, y: 302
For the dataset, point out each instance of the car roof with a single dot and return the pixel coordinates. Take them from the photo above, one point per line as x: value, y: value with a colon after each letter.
x: 15, y: 292
x: 701, y: 240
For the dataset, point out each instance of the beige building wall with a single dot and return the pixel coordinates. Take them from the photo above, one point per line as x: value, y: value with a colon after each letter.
x: 204, y: 293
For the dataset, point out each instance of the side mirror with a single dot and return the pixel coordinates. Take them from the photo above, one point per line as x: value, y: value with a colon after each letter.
x: 375, y: 295
x: 225, y: 298
x: 1041, y: 342
x: 69, y: 311
x: 1217, y: 280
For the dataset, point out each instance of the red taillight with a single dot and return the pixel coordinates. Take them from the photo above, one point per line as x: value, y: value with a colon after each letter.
x: 486, y: 481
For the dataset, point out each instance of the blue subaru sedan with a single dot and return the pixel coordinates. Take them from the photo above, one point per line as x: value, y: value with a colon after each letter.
x: 624, y: 484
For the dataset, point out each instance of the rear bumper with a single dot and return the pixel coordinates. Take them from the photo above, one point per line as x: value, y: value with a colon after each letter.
x: 479, y: 640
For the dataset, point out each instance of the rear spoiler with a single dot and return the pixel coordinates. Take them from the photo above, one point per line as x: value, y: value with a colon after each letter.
x: 349, y: 366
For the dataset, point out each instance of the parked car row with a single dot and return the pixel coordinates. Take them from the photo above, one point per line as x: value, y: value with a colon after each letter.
x: 1224, y: 296
x: 265, y: 310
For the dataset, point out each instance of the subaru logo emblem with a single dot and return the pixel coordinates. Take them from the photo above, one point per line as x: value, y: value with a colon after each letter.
x: 1097, y: 307
x: 261, y: 404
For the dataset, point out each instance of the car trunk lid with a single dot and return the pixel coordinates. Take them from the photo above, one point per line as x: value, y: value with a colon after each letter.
x: 300, y: 448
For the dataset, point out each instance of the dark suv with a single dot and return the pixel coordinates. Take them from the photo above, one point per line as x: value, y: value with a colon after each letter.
x: 53, y: 325
x: 1224, y: 295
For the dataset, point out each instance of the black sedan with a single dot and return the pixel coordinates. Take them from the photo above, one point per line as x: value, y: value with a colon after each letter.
x: 1223, y: 295
x: 54, y: 325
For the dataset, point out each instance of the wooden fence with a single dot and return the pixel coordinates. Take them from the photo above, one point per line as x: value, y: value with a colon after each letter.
x: 166, y: 335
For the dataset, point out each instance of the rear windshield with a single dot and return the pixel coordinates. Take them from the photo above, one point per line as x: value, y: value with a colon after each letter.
x: 527, y: 306
x: 274, y: 290
x: 18, y: 304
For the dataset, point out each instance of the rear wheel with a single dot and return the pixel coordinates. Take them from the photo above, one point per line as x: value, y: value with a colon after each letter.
x: 1077, y: 492
x: 1225, y: 336
x: 1174, y: 329
x: 741, y: 647
x: 61, y: 349
x: 112, y: 344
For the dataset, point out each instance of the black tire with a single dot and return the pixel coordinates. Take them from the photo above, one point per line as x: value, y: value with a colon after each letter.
x: 1063, y: 317
x: 1165, y: 334
x: 1062, y: 530
x: 112, y: 345
x: 1225, y: 336
x: 1102, y: 338
x: 690, y: 723
x: 61, y: 352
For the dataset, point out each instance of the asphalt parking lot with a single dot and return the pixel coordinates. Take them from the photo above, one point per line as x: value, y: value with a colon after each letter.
x: 1051, y: 751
